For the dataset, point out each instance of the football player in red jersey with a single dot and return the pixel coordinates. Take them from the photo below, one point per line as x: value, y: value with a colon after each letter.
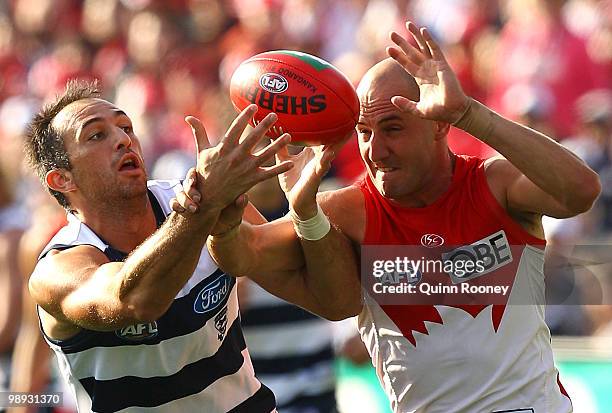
x: 431, y: 358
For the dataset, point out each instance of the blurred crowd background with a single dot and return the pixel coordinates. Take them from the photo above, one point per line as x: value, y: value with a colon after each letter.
x: 546, y: 63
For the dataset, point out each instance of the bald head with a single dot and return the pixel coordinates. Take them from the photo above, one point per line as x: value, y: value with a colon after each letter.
x: 387, y: 78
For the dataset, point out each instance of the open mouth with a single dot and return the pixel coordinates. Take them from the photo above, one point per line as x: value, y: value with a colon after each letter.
x: 129, y: 162
x: 385, y: 169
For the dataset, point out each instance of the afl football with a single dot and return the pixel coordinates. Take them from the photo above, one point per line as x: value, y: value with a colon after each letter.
x: 314, y: 101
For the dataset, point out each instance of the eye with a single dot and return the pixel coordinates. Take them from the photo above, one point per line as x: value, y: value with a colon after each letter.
x: 393, y: 128
x: 96, y: 136
x: 127, y: 129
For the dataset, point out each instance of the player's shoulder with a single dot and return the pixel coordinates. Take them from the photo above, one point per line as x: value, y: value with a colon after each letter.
x: 345, y: 208
x: 500, y: 174
x: 61, y: 271
x: 500, y: 169
x: 58, y: 275
x: 339, y: 199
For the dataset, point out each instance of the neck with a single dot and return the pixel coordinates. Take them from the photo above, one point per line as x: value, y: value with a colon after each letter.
x: 123, y: 226
x: 434, y: 186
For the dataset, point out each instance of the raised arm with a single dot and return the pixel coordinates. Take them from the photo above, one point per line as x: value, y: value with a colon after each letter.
x: 319, y: 275
x: 538, y: 176
x: 331, y: 263
x: 79, y: 286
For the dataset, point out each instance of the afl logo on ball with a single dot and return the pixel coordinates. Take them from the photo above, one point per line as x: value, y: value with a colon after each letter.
x: 273, y: 82
x: 431, y: 240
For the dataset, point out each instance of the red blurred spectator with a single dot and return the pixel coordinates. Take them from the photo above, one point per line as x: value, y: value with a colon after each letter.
x: 537, y: 48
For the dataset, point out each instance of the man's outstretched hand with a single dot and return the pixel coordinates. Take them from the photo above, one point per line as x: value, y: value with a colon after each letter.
x: 229, y: 169
x: 301, y: 183
x: 441, y: 96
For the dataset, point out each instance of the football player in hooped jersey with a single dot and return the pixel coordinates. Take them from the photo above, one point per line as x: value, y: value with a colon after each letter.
x: 137, y: 313
x: 435, y: 358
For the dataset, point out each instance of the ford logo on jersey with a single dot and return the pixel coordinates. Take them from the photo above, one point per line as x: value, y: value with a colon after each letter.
x: 213, y: 295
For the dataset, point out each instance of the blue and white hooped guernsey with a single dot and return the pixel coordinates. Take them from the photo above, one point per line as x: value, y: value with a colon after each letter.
x: 192, y: 359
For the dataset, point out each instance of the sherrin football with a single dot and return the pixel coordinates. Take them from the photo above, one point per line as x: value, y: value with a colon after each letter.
x: 314, y: 101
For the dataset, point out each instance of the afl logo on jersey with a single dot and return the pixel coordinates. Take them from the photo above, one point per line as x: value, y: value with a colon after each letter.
x: 213, y: 295
x: 138, y: 332
x: 432, y: 240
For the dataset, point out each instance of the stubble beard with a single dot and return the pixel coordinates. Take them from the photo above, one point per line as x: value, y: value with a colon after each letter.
x: 111, y: 194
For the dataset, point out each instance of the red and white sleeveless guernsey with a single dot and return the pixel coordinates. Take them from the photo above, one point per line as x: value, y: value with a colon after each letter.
x: 476, y: 358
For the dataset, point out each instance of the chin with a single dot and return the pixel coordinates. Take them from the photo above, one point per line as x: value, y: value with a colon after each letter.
x: 140, y: 188
x: 133, y: 188
x: 385, y: 189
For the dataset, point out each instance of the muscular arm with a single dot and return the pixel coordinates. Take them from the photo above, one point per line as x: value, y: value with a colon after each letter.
x: 333, y: 271
x: 539, y: 175
x: 81, y: 287
x: 271, y: 255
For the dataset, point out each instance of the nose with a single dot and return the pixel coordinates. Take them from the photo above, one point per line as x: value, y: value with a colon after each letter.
x: 123, y: 140
x: 378, y: 148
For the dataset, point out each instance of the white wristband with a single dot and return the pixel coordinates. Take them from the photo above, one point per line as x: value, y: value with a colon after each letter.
x: 312, y: 229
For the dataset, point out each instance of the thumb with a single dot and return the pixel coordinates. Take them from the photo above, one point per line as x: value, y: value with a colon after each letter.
x: 199, y: 133
x: 325, y: 161
x: 405, y: 105
x: 232, y: 214
x: 242, y: 201
x: 282, y: 155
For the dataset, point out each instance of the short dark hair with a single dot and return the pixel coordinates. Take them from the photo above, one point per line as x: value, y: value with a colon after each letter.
x: 44, y: 145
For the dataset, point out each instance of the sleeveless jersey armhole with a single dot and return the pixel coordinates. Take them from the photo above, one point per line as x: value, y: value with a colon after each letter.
x: 66, y: 344
x: 369, y: 211
x: 483, y: 191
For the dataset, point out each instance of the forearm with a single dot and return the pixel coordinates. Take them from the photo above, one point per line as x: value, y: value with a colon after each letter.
x: 549, y: 165
x: 272, y: 256
x: 155, y: 271
x: 333, y: 274
x: 236, y: 251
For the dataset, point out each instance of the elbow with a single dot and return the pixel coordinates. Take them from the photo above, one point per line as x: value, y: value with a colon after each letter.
x: 140, y: 311
x: 347, y: 311
x: 144, y: 316
x: 586, y: 193
x: 334, y: 316
x: 342, y: 315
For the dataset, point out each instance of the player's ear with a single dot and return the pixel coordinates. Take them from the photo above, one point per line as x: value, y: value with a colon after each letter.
x: 441, y: 130
x: 60, y: 180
